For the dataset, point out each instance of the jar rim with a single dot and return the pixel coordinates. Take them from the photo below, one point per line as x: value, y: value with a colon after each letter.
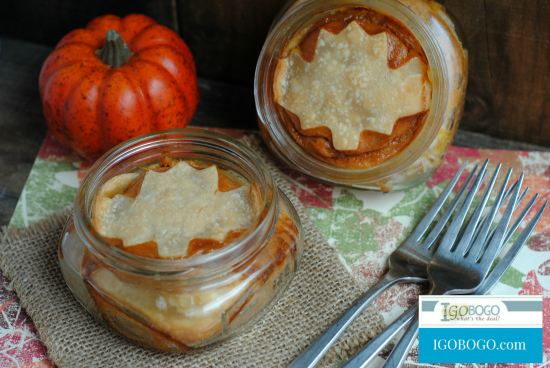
x: 219, y: 146
x: 295, y: 20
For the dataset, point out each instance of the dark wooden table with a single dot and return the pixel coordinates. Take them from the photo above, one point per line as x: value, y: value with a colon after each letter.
x: 22, y: 124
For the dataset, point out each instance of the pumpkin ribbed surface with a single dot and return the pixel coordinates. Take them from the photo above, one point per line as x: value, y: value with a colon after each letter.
x: 91, y: 107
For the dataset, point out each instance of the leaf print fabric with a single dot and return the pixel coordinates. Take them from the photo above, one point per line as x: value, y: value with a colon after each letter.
x: 363, y: 227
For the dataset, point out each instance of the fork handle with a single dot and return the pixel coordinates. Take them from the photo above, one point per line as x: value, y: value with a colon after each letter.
x: 313, y: 354
x: 373, y: 348
x: 401, y: 350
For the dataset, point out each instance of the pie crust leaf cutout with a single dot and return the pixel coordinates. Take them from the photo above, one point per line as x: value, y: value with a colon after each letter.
x: 349, y: 87
x: 173, y: 208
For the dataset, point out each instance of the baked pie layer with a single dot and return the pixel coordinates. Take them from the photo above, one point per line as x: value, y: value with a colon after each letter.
x: 349, y: 87
x: 172, y: 209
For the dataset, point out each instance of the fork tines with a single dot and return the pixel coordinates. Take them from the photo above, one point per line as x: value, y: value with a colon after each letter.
x: 478, y: 235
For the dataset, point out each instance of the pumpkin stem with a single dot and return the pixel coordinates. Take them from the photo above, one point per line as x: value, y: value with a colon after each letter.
x: 115, y: 52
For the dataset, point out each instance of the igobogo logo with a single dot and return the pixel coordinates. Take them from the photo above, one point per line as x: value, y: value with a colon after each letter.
x: 451, y: 312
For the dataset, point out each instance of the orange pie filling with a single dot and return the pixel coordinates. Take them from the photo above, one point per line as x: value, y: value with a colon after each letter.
x: 354, y: 88
x: 176, y: 210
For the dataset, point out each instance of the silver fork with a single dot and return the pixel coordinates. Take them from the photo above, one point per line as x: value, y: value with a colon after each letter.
x: 362, y: 358
x: 408, y: 263
x: 460, y: 267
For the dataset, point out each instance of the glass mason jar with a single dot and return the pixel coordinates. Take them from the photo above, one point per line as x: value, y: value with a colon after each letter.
x: 447, y: 60
x: 187, y: 303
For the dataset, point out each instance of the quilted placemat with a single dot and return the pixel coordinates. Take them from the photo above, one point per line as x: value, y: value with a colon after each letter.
x: 362, y: 227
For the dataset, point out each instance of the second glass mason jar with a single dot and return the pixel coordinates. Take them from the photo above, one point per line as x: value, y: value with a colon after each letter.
x: 447, y: 71
x: 182, y: 303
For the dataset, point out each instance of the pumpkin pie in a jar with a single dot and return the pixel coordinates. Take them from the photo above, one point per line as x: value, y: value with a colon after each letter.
x: 178, y: 246
x: 361, y: 96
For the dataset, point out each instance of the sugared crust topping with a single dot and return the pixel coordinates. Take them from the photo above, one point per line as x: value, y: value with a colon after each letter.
x: 173, y: 208
x: 349, y: 87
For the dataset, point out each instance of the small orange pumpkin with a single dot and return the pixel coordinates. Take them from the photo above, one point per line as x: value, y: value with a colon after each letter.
x: 114, y: 80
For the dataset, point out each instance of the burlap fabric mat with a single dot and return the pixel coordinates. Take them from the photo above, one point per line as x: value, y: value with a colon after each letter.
x: 319, y: 292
